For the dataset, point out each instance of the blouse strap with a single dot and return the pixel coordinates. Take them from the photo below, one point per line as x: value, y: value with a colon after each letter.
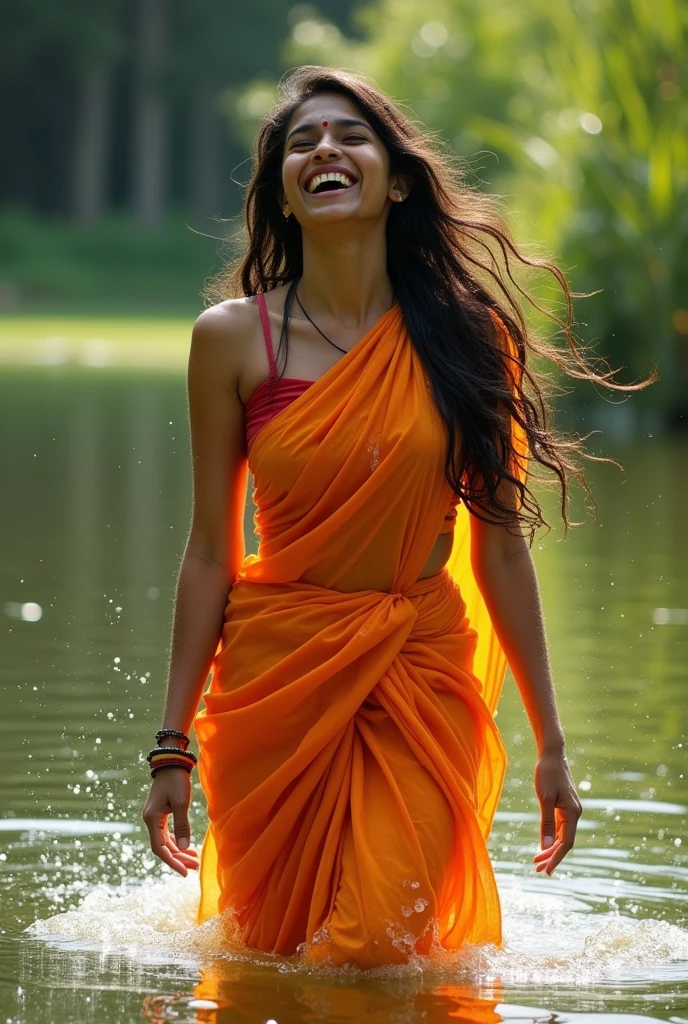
x: 266, y: 333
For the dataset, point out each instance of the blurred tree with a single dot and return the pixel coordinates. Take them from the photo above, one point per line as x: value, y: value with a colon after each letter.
x: 150, y: 113
x: 55, y: 83
x: 215, y: 47
x: 138, y: 88
x: 97, y: 44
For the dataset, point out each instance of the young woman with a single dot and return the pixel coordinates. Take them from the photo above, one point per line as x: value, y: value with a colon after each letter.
x: 348, y: 749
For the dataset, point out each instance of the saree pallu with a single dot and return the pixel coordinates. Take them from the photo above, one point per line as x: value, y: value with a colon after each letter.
x: 348, y: 750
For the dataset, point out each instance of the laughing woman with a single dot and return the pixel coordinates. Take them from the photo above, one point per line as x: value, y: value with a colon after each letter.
x: 348, y: 748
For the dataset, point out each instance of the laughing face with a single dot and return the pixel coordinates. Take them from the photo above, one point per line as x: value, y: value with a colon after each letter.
x: 335, y: 167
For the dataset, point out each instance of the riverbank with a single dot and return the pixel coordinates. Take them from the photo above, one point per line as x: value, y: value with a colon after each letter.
x: 159, y: 343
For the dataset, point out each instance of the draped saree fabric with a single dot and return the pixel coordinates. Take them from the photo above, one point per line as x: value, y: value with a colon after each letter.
x: 348, y: 749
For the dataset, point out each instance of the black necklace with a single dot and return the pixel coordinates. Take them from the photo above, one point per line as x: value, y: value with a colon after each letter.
x: 316, y: 326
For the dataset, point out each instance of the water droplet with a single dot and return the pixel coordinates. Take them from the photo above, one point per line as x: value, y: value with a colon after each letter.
x: 29, y: 611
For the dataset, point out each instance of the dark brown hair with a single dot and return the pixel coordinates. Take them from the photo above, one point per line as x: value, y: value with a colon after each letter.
x: 452, y: 263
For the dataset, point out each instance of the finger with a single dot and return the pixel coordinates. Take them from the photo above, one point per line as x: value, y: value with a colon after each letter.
x: 166, y: 855
x: 548, y: 829
x: 157, y: 831
x: 191, y: 860
x: 161, y: 850
x: 184, y: 858
x: 544, y: 863
x: 171, y: 840
x: 189, y: 857
x: 543, y: 866
x: 182, y: 828
x: 568, y: 834
x: 544, y: 855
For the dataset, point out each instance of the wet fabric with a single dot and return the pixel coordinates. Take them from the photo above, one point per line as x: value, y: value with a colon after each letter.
x: 275, y: 393
x: 348, y: 749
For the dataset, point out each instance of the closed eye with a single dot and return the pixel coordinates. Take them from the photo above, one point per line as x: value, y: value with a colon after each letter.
x: 348, y: 138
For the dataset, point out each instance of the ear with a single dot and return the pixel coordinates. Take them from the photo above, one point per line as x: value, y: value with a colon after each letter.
x: 399, y: 183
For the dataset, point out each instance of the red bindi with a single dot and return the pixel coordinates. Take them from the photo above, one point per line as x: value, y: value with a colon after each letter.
x: 324, y: 124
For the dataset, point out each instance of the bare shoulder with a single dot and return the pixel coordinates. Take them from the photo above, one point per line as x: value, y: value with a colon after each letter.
x: 221, y: 339
x: 225, y: 325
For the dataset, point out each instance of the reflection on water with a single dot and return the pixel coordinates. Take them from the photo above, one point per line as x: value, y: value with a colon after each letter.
x: 92, y: 527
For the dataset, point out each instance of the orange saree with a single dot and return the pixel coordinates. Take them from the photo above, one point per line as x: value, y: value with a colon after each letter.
x: 348, y: 750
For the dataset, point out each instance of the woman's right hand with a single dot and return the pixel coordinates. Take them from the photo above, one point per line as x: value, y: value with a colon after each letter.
x: 170, y: 793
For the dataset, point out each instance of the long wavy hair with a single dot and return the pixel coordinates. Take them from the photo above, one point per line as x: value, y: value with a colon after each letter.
x: 451, y: 260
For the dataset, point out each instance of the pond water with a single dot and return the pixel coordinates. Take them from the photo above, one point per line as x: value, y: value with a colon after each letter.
x: 93, y: 522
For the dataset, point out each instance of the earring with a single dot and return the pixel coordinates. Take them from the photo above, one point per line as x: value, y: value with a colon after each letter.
x: 399, y: 195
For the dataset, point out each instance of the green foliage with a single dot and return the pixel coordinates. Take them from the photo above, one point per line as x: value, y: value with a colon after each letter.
x: 574, y: 111
x: 109, y: 268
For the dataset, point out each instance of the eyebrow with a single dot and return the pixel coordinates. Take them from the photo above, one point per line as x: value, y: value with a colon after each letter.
x: 344, y: 122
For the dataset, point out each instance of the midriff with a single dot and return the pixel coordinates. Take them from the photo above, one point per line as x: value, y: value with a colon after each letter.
x: 439, y: 556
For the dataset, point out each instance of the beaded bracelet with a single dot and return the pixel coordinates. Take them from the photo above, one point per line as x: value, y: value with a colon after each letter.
x: 170, y: 757
x: 161, y: 734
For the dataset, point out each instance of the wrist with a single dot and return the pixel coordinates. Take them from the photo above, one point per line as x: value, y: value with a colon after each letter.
x: 170, y: 736
x: 173, y: 741
x: 552, y: 744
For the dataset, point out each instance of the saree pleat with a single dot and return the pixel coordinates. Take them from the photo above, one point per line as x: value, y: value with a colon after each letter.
x: 348, y: 748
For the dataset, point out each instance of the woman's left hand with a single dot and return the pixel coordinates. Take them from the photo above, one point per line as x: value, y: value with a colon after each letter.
x: 560, y: 809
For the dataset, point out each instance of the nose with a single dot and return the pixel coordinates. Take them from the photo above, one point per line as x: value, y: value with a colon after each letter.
x: 326, y: 145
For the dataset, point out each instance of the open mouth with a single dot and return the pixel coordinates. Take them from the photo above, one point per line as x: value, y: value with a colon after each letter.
x: 330, y: 183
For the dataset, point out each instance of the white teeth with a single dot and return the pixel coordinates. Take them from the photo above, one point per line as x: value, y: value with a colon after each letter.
x: 330, y: 176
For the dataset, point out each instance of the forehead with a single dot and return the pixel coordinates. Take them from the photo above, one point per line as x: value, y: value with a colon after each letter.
x: 326, y: 107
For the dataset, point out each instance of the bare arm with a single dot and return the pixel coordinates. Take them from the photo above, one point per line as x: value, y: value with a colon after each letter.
x: 506, y: 576
x: 504, y: 570
x: 215, y: 546
x: 213, y: 555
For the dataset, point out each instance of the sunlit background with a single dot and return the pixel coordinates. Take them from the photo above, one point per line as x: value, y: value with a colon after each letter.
x: 127, y: 131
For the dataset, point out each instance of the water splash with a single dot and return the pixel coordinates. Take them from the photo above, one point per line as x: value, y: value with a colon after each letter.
x: 549, y: 939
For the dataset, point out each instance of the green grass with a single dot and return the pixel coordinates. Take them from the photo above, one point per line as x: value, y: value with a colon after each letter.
x: 50, y: 265
x: 137, y: 342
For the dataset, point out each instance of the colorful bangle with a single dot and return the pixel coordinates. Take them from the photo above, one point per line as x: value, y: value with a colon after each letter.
x: 187, y: 755
x: 170, y: 757
x: 175, y: 733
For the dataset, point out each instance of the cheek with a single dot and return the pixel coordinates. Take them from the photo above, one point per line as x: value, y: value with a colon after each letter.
x: 375, y: 173
x: 290, y: 171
